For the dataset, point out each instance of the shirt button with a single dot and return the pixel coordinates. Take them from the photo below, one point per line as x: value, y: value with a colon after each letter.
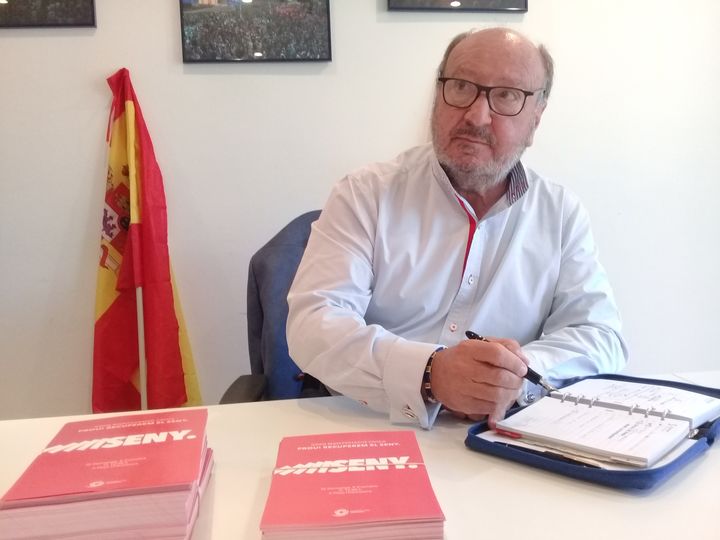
x: 471, y: 280
x: 453, y: 327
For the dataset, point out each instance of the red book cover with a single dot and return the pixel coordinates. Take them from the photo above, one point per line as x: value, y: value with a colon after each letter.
x: 121, y: 455
x: 346, y: 479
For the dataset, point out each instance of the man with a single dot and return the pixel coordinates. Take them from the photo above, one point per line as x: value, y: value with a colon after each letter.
x: 456, y: 236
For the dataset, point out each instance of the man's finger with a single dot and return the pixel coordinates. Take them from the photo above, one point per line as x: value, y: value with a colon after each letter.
x: 496, y: 354
x: 512, y: 346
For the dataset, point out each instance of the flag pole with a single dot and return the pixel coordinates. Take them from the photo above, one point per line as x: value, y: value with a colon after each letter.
x: 142, y: 367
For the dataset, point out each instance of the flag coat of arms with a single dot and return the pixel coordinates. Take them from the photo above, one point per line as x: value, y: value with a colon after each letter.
x: 134, y: 254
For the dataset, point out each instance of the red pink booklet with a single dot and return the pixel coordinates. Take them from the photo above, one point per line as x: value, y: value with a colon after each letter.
x: 351, y: 485
x: 108, y: 477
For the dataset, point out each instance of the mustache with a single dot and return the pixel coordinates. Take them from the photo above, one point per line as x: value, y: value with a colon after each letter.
x: 482, y: 133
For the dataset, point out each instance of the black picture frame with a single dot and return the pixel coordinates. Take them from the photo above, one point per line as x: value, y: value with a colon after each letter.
x: 517, y: 6
x: 47, y: 13
x: 255, y: 31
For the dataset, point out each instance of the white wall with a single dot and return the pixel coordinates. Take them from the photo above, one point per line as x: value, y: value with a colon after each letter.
x: 632, y: 127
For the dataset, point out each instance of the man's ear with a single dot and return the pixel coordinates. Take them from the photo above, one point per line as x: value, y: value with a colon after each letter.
x: 539, y: 110
x: 537, y: 115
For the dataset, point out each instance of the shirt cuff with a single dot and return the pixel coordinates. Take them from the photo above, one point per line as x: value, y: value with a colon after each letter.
x: 403, y: 378
x: 529, y: 392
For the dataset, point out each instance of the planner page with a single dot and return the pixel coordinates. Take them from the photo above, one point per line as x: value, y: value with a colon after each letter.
x: 606, y: 433
x: 641, y: 397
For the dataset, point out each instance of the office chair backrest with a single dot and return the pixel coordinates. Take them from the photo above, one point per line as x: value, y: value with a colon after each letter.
x: 271, y: 272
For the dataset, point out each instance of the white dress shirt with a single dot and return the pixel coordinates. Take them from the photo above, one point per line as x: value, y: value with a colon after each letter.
x: 398, y: 265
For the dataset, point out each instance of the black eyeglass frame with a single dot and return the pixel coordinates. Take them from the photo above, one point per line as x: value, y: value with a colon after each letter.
x: 486, y: 89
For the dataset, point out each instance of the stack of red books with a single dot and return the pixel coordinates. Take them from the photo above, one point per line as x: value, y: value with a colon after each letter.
x: 135, y: 476
x: 366, y: 485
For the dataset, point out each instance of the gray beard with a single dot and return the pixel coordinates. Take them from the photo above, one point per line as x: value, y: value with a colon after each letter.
x: 477, y: 179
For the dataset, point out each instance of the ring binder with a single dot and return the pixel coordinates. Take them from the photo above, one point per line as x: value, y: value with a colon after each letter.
x: 648, y: 410
x: 632, y: 409
x: 699, y: 407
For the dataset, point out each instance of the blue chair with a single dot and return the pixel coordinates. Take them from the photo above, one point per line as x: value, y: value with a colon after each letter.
x: 273, y: 374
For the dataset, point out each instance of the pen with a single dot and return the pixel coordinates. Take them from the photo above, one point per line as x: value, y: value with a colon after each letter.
x: 531, y: 375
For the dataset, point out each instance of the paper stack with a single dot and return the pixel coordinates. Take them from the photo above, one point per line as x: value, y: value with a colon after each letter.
x: 364, y: 485
x: 134, y: 476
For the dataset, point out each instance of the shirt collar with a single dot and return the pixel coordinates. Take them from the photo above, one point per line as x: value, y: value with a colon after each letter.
x: 517, y: 183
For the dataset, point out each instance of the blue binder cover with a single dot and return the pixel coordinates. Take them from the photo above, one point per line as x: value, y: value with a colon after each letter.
x: 638, y: 479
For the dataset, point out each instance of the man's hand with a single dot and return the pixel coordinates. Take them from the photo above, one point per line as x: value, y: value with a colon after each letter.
x: 477, y: 378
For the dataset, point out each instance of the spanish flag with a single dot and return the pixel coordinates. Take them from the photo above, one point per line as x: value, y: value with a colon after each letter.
x: 135, y: 255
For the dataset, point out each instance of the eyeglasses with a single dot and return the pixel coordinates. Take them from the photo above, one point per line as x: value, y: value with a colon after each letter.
x: 502, y: 100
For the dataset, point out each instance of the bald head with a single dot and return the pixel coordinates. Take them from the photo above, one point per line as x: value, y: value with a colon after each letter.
x: 477, y: 44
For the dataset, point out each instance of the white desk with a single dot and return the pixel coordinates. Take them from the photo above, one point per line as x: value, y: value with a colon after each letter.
x: 481, y: 496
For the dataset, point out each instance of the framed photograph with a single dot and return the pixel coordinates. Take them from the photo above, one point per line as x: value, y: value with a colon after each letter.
x: 255, y: 30
x: 458, y: 5
x: 29, y: 13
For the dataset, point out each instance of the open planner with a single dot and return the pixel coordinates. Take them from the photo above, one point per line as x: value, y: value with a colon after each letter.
x: 615, y: 421
x: 613, y: 424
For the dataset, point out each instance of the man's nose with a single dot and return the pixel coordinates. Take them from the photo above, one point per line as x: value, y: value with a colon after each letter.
x: 479, y: 113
